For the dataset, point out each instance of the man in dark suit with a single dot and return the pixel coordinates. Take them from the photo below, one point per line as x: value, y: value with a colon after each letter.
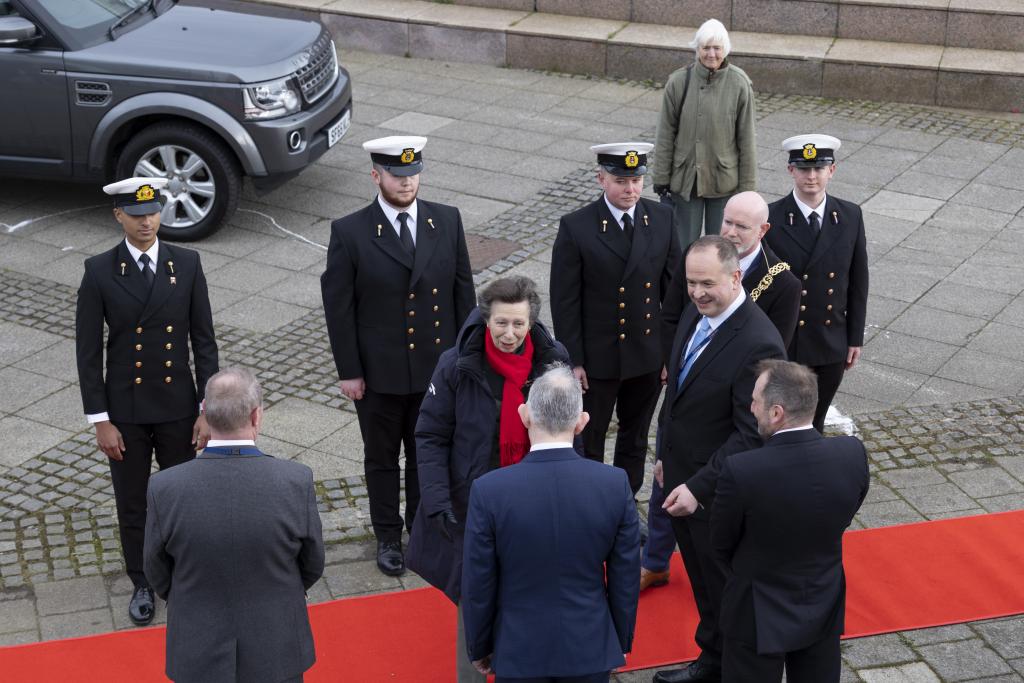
x: 774, y: 289
x: 551, y: 556
x: 152, y: 298
x: 233, y: 540
x: 705, y: 419
x: 822, y: 239
x: 610, y: 269
x: 397, y: 288
x: 777, y: 524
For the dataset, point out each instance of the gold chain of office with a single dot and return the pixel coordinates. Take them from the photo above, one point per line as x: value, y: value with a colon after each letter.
x: 767, y: 280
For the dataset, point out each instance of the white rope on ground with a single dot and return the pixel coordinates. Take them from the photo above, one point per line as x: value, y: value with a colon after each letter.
x: 30, y: 221
x: 284, y: 229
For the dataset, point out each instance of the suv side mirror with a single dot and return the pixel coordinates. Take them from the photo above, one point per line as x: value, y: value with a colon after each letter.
x: 17, y: 30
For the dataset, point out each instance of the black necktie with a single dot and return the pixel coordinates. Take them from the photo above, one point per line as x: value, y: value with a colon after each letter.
x: 627, y: 227
x: 147, y: 272
x: 815, y: 223
x: 404, y: 234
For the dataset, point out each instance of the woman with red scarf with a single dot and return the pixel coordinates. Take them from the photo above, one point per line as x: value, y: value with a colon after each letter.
x: 469, y: 425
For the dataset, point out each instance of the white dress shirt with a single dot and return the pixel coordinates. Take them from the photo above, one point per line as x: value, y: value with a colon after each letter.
x: 748, y: 260
x: 618, y: 213
x: 549, y: 446
x: 392, y: 215
x: 716, y: 322
x: 806, y: 210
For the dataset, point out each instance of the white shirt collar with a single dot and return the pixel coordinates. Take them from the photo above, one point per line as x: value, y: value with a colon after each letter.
x: 724, y: 315
x: 549, y: 446
x: 748, y: 260
x: 806, y: 210
x: 793, y: 429
x: 617, y: 212
x: 229, y: 442
x: 392, y: 213
x: 153, y: 252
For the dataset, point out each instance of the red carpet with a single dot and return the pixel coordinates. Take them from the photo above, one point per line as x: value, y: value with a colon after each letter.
x: 900, y: 578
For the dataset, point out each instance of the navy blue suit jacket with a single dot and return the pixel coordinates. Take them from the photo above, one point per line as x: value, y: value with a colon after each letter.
x: 551, y: 567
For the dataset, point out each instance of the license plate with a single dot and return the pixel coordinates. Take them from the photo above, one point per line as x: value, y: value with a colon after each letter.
x: 338, y: 130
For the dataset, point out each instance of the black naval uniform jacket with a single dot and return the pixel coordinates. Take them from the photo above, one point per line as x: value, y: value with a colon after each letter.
x: 780, y: 301
x: 148, y: 379
x: 605, y: 294
x: 833, y: 272
x: 390, y: 316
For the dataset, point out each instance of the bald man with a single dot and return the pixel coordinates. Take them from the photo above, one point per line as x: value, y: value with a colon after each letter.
x: 776, y: 291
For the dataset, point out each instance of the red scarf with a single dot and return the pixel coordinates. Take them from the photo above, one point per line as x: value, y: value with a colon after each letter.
x: 513, y: 439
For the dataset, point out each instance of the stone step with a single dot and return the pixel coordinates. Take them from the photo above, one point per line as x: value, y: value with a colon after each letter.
x: 969, y: 78
x: 991, y: 24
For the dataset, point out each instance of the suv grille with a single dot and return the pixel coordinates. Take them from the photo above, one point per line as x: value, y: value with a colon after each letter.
x: 92, y: 93
x: 320, y: 73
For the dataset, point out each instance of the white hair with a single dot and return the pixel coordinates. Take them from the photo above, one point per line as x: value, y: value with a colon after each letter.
x: 712, y: 31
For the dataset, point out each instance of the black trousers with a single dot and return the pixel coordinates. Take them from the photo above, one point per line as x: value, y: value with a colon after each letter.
x: 633, y: 401
x: 589, y: 678
x: 172, y: 443
x: 707, y: 577
x: 817, y: 663
x: 387, y: 422
x: 829, y: 378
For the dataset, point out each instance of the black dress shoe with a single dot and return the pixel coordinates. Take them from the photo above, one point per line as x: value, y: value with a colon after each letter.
x: 390, y: 559
x: 141, y: 609
x: 695, y: 672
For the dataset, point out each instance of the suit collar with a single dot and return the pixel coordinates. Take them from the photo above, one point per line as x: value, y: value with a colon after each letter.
x: 166, y: 281
x: 551, y: 455
x: 426, y: 242
x: 724, y: 334
x: 385, y: 238
x: 230, y: 451
x: 830, y: 231
x: 794, y: 225
x: 127, y: 274
x: 609, y: 231
x: 799, y: 436
x: 641, y: 238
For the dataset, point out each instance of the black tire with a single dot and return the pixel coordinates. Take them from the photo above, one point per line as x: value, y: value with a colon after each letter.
x: 196, y: 213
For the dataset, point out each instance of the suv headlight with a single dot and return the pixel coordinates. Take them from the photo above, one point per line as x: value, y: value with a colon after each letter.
x: 270, y: 100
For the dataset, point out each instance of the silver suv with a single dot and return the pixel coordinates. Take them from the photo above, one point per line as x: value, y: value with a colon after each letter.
x: 103, y: 89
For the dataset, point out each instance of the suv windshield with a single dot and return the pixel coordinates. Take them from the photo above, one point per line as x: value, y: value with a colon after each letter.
x: 87, y: 21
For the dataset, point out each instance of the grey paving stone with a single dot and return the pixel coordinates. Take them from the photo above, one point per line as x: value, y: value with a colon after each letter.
x: 971, y: 367
x: 917, y: 476
x: 355, y: 578
x: 75, y: 595
x: 18, y: 343
x: 908, y: 353
x: 874, y: 650
x: 939, y: 634
x: 24, y: 439
x: 938, y: 325
x: 19, y: 638
x: 1005, y: 636
x: 1006, y: 341
x: 964, y: 660
x: 75, y: 624
x: 17, y: 615
x: 917, y: 672
x: 887, y: 513
x: 938, y: 498
x: 302, y: 422
x: 1008, y: 503
x: 992, y: 481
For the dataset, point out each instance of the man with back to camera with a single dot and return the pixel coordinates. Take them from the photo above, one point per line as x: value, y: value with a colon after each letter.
x: 233, y: 541
x: 397, y: 288
x: 152, y: 298
x: 552, y: 554
x: 822, y: 238
x: 705, y: 419
x: 610, y: 269
x: 779, y: 516
x: 774, y: 289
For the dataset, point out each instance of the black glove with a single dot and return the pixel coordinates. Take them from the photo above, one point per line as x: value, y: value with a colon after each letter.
x: 446, y: 523
x: 661, y: 190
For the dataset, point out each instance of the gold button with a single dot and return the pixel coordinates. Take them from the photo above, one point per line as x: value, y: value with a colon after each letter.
x: 621, y: 290
x: 803, y: 308
x: 138, y: 380
x: 805, y: 276
x: 138, y: 363
x: 647, y: 316
x: 437, y: 323
x: 647, y: 331
x: 170, y: 328
x: 412, y: 295
x: 622, y: 321
x: 803, y: 292
x: 138, y: 330
x: 168, y: 346
x: 167, y: 380
x: 138, y: 347
x: 434, y: 291
x: 622, y: 305
x: 829, y: 307
x: 412, y: 314
x: 830, y: 292
x: 831, y: 275
x: 647, y: 285
x: 647, y: 300
x: 828, y: 322
x: 622, y: 336
x: 412, y: 346
x: 436, y: 309
x: 167, y: 363
x: 411, y: 330
x: 801, y: 323
x: 437, y: 341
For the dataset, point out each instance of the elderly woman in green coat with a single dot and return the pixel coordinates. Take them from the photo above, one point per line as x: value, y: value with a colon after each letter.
x: 704, y: 152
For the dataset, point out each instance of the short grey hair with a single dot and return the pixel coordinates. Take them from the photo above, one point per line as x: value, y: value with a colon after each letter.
x: 556, y: 400
x: 792, y: 386
x: 510, y: 290
x: 231, y: 396
x: 723, y: 248
x: 712, y: 31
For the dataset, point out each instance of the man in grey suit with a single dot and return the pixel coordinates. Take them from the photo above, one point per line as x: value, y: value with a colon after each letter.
x: 233, y: 540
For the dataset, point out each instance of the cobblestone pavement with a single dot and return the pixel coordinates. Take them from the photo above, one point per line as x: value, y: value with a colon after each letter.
x: 937, y: 398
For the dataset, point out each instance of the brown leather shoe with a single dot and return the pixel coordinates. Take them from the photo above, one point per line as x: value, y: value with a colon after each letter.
x: 649, y: 578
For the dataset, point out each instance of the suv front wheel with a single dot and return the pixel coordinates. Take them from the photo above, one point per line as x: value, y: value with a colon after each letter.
x: 204, y: 178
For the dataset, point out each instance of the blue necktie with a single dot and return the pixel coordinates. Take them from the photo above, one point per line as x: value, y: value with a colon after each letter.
x: 700, y: 338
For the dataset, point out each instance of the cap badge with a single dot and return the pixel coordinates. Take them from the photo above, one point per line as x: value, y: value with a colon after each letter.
x: 631, y: 160
x: 408, y: 155
x: 810, y: 151
x: 145, y: 194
